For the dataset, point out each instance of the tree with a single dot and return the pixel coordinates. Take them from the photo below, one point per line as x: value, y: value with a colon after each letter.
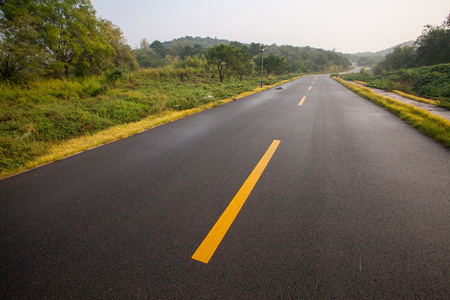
x: 401, y: 57
x: 222, y: 58
x: 147, y: 58
x: 72, y: 33
x: 20, y: 55
x: 144, y: 43
x: 242, y: 63
x: 123, y: 59
x: 159, y: 48
x: 433, y: 45
x: 369, y: 61
x: 58, y: 36
x: 255, y: 49
x: 20, y: 52
x: 273, y: 64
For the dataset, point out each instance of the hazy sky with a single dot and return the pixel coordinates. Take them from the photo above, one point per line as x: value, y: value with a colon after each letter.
x: 350, y: 26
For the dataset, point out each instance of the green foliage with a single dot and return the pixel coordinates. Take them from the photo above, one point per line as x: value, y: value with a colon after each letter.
x: 273, y: 64
x: 205, y: 43
x: 385, y: 84
x: 147, y: 58
x: 361, y: 76
x: 242, y: 62
x: 159, y: 49
x: 123, y: 58
x: 432, y: 47
x: 222, y: 58
x: 307, y: 59
x: 20, y: 57
x: 184, y: 103
x: 401, y: 58
x: 197, y: 62
x: 431, y: 82
x: 58, y: 38
x: 111, y: 76
x: 368, y: 61
x: 184, y: 50
x: 298, y: 60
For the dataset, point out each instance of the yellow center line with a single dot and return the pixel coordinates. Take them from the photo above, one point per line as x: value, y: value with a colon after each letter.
x: 310, y: 88
x: 209, y: 245
x: 303, y: 100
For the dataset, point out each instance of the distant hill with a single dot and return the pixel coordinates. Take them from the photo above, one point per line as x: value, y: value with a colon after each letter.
x: 380, y: 53
x: 205, y: 42
x: 210, y: 42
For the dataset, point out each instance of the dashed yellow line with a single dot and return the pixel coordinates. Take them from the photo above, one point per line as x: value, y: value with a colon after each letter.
x: 310, y: 88
x: 209, y: 245
x: 303, y: 100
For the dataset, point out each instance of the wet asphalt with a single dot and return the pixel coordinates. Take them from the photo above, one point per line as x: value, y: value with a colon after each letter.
x: 354, y: 204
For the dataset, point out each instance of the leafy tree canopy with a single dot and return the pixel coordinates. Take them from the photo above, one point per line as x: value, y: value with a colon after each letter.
x: 432, y: 47
x: 58, y: 37
x: 221, y: 57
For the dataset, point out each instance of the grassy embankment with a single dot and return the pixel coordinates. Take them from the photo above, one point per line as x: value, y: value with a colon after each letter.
x: 427, y: 84
x: 433, y: 126
x: 48, y: 120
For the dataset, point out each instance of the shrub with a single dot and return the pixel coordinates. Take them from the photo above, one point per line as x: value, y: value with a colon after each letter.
x: 182, y: 103
x: 111, y: 76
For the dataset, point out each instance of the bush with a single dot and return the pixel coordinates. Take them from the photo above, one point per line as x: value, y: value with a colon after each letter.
x: 384, y: 84
x: 182, y: 103
x: 431, y: 82
x: 111, y: 76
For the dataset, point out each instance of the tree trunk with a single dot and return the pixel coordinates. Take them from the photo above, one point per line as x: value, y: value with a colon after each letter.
x: 66, y: 71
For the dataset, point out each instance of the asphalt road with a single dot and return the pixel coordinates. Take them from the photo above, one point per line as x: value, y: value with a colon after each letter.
x: 354, y: 203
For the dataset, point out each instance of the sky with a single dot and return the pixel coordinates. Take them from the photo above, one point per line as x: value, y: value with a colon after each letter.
x: 348, y: 26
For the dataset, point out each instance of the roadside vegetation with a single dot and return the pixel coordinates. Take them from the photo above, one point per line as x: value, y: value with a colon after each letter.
x: 45, y: 115
x: 430, y: 82
x: 421, y: 70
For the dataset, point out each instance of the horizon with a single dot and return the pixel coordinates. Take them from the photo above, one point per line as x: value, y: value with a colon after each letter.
x: 248, y: 43
x: 348, y: 26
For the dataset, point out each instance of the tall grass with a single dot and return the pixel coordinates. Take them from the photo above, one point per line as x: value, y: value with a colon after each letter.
x: 432, y: 82
x: 37, y: 117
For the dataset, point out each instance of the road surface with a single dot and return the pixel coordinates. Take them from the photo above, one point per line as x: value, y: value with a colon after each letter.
x: 350, y: 203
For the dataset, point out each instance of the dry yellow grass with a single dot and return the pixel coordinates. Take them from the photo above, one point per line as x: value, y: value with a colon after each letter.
x: 412, y: 97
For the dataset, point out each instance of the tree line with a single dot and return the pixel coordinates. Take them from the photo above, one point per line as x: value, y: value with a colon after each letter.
x: 239, y: 59
x: 432, y: 47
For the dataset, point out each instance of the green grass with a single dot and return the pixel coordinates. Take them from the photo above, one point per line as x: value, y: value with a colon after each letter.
x: 433, y: 126
x: 431, y: 82
x: 49, y: 119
